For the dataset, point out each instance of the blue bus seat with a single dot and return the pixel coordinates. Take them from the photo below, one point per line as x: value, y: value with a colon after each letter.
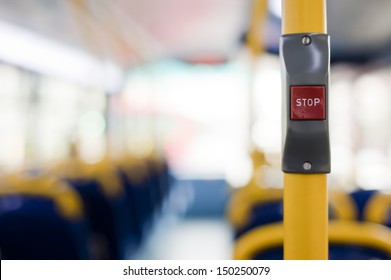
x: 107, y: 207
x: 135, y: 177
x: 41, y: 218
x: 266, y: 208
x: 268, y: 212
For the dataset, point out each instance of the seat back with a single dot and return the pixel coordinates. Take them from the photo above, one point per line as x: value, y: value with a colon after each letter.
x: 41, y: 218
x: 361, y: 198
x: 135, y: 175
x: 107, y: 206
x: 265, y: 206
x: 378, y: 209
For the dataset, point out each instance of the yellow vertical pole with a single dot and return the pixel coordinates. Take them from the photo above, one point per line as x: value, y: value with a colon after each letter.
x: 255, y: 44
x: 305, y: 195
x: 305, y: 217
x: 254, y: 38
x: 303, y: 16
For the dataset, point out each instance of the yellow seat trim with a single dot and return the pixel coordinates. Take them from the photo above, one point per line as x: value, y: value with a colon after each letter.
x: 104, y: 172
x: 67, y: 201
x: 241, y: 203
x: 377, y: 208
x: 343, y: 205
x: 136, y: 170
x: 340, y: 232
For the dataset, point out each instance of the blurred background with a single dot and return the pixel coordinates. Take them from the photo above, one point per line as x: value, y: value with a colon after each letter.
x: 145, y: 129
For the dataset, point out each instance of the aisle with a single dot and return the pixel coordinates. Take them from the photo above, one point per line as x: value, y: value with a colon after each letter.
x: 189, y: 239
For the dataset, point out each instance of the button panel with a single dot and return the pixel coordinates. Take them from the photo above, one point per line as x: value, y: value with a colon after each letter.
x: 308, y: 103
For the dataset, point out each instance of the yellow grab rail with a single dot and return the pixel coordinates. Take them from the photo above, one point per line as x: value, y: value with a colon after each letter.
x: 303, y: 16
x: 305, y: 195
x: 305, y: 216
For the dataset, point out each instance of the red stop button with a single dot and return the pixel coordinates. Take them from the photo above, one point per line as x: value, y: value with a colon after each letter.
x: 308, y: 103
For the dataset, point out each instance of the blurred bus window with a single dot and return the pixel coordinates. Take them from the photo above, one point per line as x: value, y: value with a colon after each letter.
x: 14, y: 98
x: 198, y: 114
